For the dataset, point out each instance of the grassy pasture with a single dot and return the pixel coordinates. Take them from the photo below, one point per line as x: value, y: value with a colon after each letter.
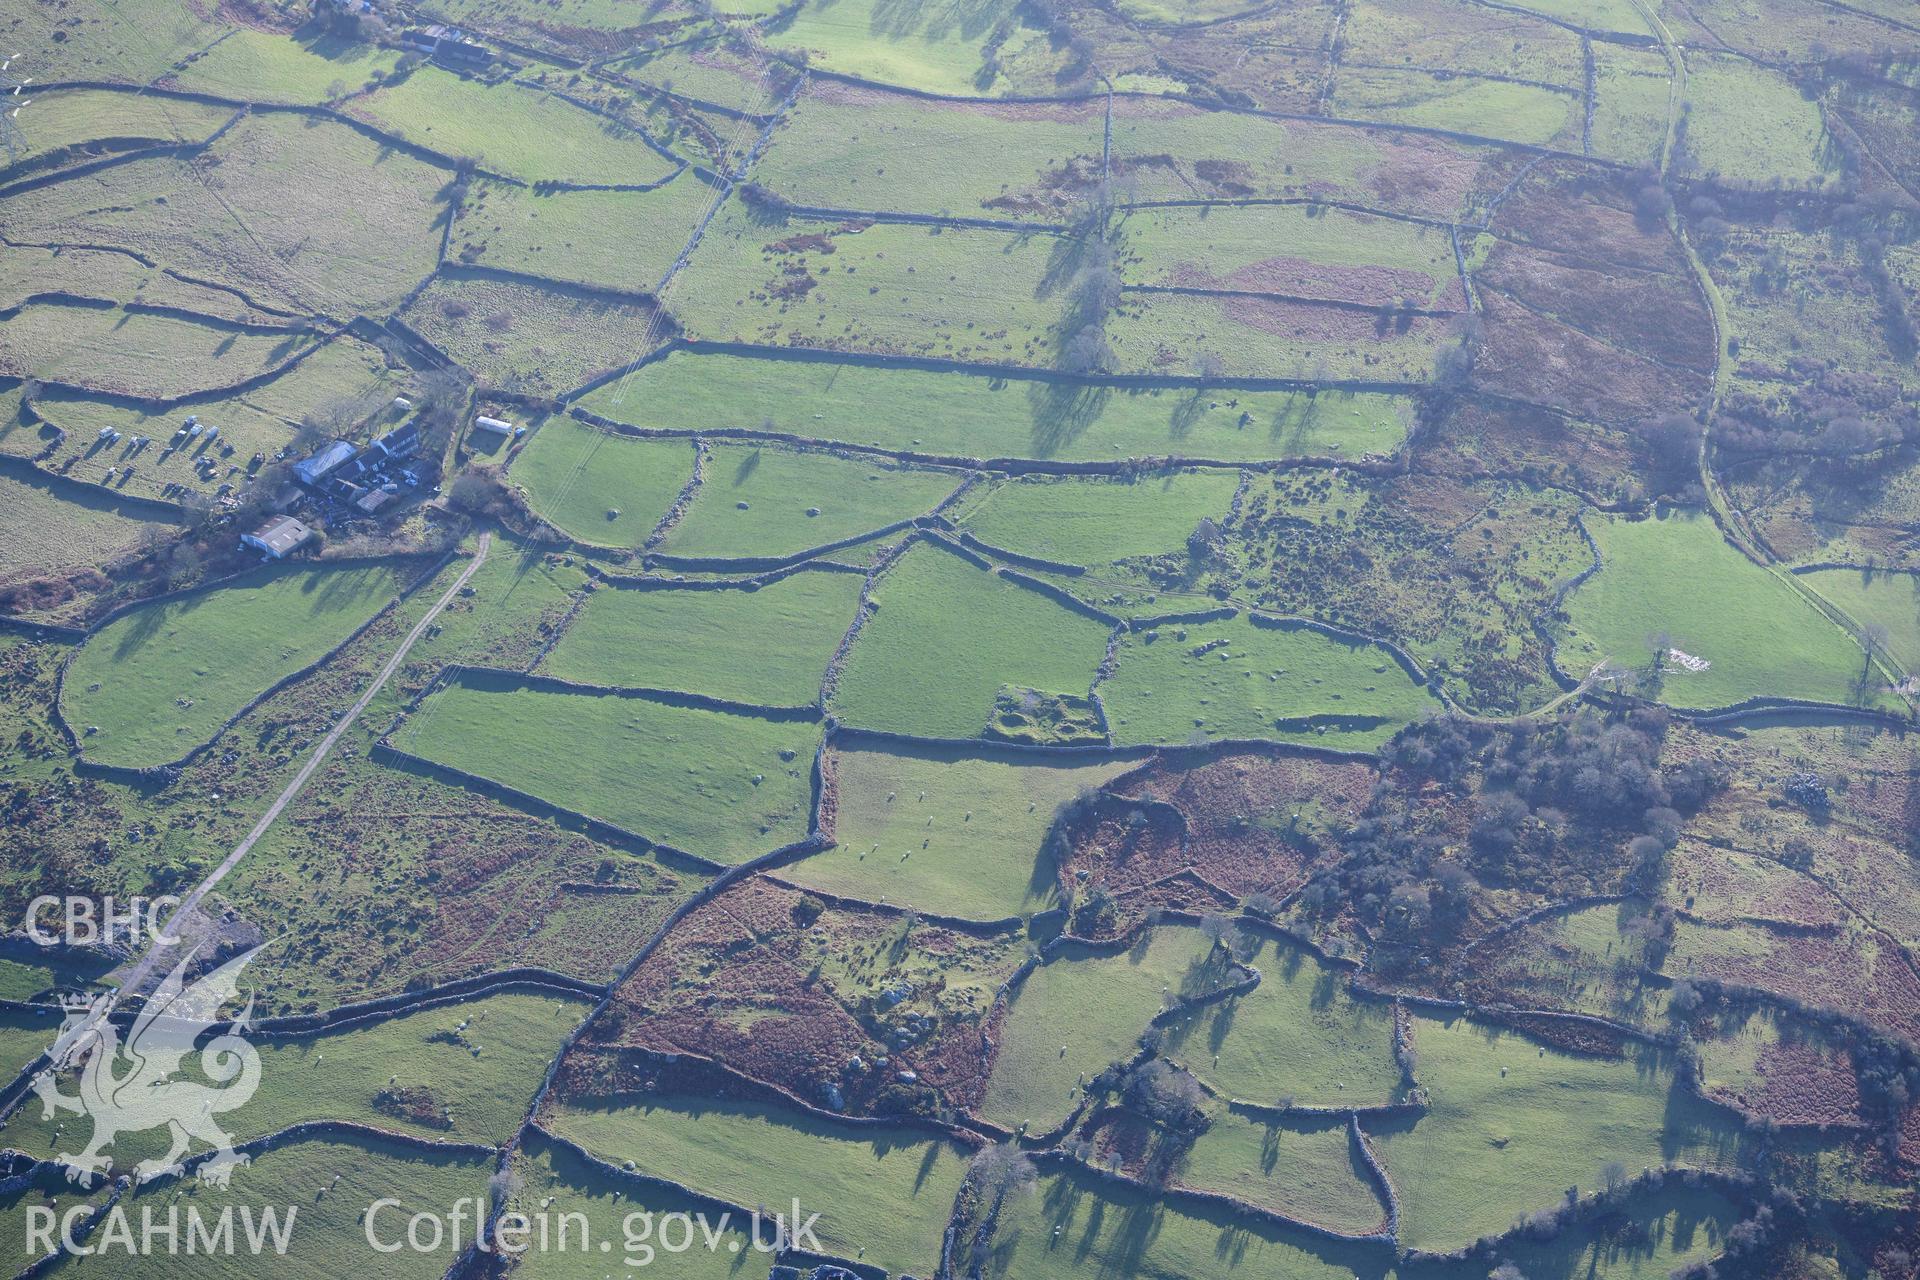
x: 705, y: 71
x: 936, y: 49
x: 1778, y: 288
x: 553, y: 22
x: 1751, y: 124
x: 884, y: 1194
x: 556, y: 1182
x: 1890, y: 600
x: 1465, y: 104
x: 888, y: 288
x: 602, y: 489
x: 136, y: 353
x: 1174, y: 151
x: 526, y: 338
x: 477, y: 1064
x: 1308, y: 1171
x: 613, y: 239
x: 1093, y: 521
x: 1266, y: 337
x: 71, y: 117
x: 1595, y: 15
x: 47, y: 527
x: 161, y: 679
x: 24, y: 1035
x: 132, y: 42
x: 768, y: 501
x: 683, y: 776
x: 768, y: 646
x: 1631, y: 88
x: 1678, y: 577
x: 275, y: 226
x: 1297, y: 1035
x: 1512, y: 1124
x: 1169, y: 685
x: 1435, y: 33
x: 971, y: 848
x: 970, y: 415
x: 1682, y: 1226
x: 1076, y: 1226
x: 1299, y: 249
x: 25, y: 979
x: 331, y: 1185
x: 262, y: 66
x: 1080, y: 1012
x: 1172, y: 14
x: 944, y: 640
x: 844, y: 148
x: 511, y: 129
x: 110, y: 277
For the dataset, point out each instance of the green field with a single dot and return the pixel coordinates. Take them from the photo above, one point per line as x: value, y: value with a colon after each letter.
x: 719, y: 786
x: 1752, y: 124
x: 934, y: 49
x: 72, y: 117
x: 1890, y: 600
x: 772, y: 502
x: 1420, y: 33
x: 968, y: 415
x: 470, y: 1068
x: 1488, y: 108
x: 1298, y: 1036
x: 843, y: 148
x: 511, y: 129
x: 1677, y: 577
x: 49, y: 527
x: 329, y: 1186
x: 603, y: 489
x: 610, y: 239
x: 768, y: 646
x: 1178, y: 151
x: 944, y: 640
x: 884, y: 1194
x: 274, y: 225
x: 1095, y: 522
x: 556, y: 1182
x: 22, y: 1038
x: 970, y: 848
x: 884, y: 289
x: 160, y: 680
x: 266, y: 67
x: 1310, y: 1171
x: 1267, y: 337
x: 1681, y: 1226
x: 1630, y: 105
x: 1303, y: 250
x: 1079, y: 1013
x: 1512, y: 1124
x: 1078, y: 1227
x: 529, y: 338
x: 136, y: 353
x: 706, y: 70
x: 1257, y: 682
x: 23, y: 979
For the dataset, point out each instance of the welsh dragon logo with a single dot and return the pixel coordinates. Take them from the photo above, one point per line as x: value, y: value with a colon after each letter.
x: 133, y: 1087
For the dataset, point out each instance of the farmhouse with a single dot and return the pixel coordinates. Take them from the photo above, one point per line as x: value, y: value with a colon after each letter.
x: 401, y: 442
x: 450, y: 46
x: 325, y: 463
x: 279, y: 537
